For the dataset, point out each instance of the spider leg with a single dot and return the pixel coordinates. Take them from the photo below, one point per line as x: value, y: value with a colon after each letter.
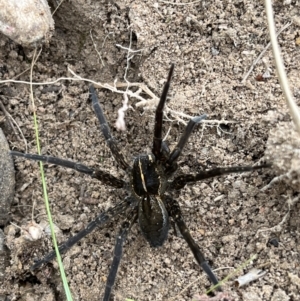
x: 174, y: 211
x: 180, y: 181
x: 126, y: 225
x: 102, y: 219
x: 98, y: 174
x: 165, y: 149
x: 171, y: 163
x: 111, y: 142
x: 157, y: 139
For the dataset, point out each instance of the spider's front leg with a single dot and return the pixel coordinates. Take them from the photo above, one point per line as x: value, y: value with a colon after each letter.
x: 174, y: 211
x: 159, y: 152
x: 160, y: 148
x: 171, y: 165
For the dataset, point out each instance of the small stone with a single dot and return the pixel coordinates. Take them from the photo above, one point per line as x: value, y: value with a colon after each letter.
x: 7, y: 180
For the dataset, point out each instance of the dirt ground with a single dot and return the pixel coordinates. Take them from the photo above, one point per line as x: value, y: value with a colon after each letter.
x: 213, y: 45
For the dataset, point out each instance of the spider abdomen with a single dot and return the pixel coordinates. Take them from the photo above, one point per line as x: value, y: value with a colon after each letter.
x: 153, y: 220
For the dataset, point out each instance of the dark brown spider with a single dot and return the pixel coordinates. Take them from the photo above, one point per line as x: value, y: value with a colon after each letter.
x: 152, y: 177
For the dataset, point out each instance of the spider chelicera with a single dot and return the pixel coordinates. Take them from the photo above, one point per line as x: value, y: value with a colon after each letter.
x: 152, y: 177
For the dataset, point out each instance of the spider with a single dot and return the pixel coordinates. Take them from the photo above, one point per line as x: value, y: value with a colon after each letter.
x: 151, y: 178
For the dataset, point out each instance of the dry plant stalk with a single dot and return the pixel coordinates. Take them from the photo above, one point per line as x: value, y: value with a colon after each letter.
x: 252, y: 275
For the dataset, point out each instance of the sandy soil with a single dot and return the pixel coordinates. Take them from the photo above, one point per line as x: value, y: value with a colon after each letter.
x: 213, y: 45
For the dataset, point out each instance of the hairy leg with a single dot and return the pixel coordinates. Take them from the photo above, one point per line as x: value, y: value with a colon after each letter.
x: 180, y: 181
x: 98, y: 174
x: 104, y: 127
x: 101, y: 220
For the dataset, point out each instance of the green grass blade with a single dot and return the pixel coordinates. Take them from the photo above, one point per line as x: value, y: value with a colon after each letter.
x: 61, y: 268
x: 242, y: 266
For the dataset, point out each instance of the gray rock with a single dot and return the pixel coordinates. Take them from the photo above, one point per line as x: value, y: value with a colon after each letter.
x: 4, y: 253
x: 26, y: 22
x: 7, y: 180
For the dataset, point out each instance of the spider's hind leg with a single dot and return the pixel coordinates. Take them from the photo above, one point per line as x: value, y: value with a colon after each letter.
x: 126, y: 225
x: 101, y: 220
x: 174, y: 211
x: 104, y: 127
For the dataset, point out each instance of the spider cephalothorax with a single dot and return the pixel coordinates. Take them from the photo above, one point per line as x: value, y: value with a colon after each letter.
x: 152, y: 179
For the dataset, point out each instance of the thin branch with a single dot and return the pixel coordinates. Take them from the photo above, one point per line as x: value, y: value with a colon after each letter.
x: 180, y: 3
x: 59, y: 4
x: 278, y: 227
x: 114, y: 87
x: 95, y: 46
x: 294, y: 110
x: 12, y: 122
x: 263, y: 52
